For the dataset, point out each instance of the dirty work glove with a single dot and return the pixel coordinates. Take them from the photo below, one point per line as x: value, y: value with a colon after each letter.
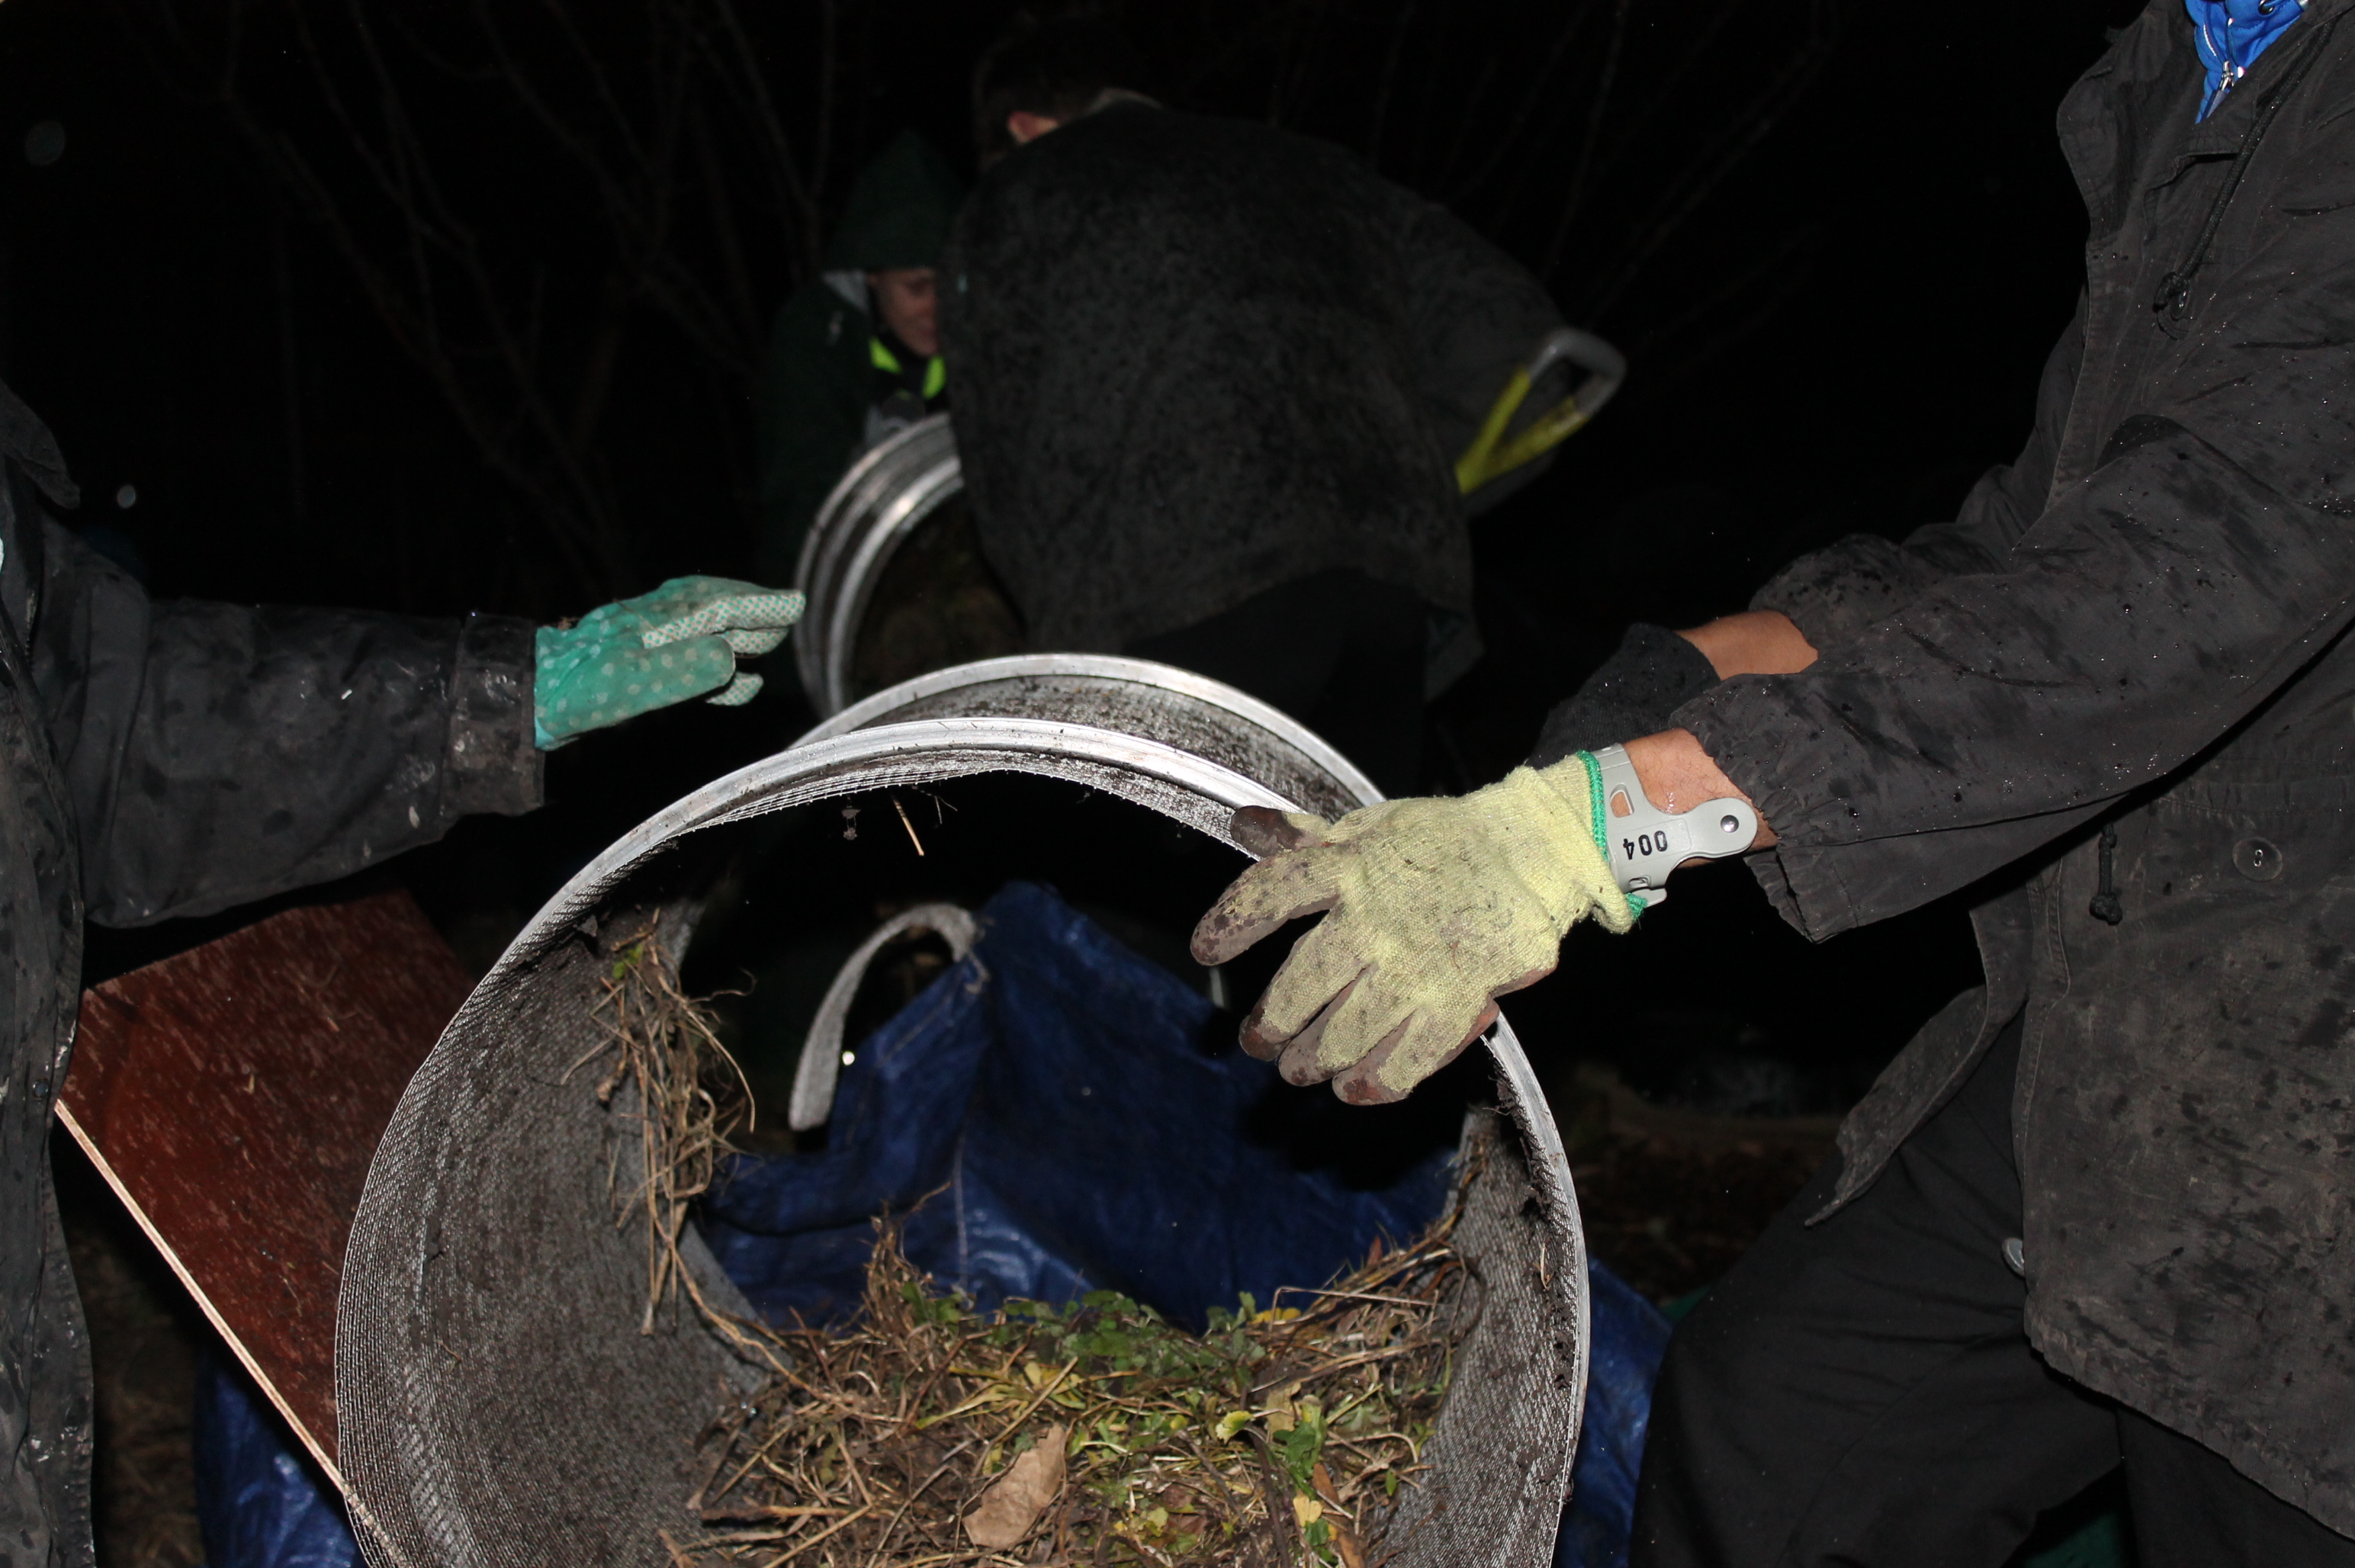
x: 680, y: 641
x: 1435, y: 909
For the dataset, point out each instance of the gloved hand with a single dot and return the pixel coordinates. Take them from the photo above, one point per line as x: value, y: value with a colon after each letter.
x: 679, y: 641
x: 1435, y: 909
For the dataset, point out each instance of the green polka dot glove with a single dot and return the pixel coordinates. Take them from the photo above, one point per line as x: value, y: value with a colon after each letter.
x: 680, y: 641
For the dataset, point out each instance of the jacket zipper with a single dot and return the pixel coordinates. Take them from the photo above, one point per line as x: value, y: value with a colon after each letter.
x: 2174, y: 297
x: 2227, y: 73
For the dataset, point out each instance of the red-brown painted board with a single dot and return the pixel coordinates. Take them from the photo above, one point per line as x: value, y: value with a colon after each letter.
x: 232, y: 1097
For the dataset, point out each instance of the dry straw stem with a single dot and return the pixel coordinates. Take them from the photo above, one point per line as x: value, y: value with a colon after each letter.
x: 691, y: 1099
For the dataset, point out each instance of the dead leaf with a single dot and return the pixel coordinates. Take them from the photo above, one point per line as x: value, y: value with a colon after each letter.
x: 1352, y: 1554
x: 1188, y: 1510
x: 1015, y: 1500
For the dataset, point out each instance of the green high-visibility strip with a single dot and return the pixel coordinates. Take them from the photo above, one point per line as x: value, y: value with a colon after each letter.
x: 936, y: 369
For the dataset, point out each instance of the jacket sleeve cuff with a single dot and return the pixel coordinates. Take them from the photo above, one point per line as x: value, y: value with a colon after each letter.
x: 1828, y: 875
x: 492, y: 765
x: 1653, y: 672
x: 1803, y: 883
x: 1833, y: 593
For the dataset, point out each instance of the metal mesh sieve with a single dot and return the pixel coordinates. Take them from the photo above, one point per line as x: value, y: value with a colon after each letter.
x: 498, y: 1401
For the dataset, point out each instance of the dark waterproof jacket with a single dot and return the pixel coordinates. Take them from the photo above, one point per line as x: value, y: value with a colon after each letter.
x: 2143, y: 622
x: 161, y: 759
x: 1195, y: 359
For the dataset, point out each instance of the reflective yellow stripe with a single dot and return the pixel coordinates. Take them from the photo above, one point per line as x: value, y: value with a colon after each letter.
x: 1491, y: 456
x: 883, y: 358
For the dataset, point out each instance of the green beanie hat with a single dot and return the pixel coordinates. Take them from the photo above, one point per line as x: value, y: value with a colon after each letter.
x: 900, y: 211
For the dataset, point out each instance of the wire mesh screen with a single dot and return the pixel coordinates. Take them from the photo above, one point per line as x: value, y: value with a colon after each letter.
x: 503, y: 1398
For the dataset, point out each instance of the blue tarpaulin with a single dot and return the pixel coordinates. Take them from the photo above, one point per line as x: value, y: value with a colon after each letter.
x: 1078, y: 1119
x: 260, y: 1501
x: 1629, y: 1337
x: 1056, y: 1115
x: 1086, y: 1123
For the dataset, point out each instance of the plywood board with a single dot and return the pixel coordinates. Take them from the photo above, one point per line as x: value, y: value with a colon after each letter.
x: 232, y: 1097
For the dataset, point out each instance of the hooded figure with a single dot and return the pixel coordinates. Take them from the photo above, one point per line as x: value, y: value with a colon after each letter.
x: 1213, y: 379
x: 854, y: 356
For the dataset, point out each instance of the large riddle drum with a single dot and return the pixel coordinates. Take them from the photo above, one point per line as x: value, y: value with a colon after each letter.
x: 892, y: 568
x: 498, y: 1403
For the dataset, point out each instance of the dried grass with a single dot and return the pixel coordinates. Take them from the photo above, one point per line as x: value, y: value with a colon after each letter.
x: 1279, y: 1437
x: 928, y: 1434
x: 691, y: 1100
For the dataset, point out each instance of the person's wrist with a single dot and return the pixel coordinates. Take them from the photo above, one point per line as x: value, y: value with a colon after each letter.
x: 1677, y: 776
x: 1755, y: 642
x: 547, y: 648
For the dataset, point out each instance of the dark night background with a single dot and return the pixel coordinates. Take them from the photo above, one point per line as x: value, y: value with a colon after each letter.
x: 460, y: 306
x: 1835, y: 239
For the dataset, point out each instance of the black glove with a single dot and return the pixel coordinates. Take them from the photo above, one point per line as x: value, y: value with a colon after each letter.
x: 1653, y: 673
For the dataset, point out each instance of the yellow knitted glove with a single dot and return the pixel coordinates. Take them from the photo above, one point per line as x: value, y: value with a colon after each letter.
x: 1434, y: 910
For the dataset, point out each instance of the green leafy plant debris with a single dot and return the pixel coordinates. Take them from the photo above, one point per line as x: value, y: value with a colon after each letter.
x: 1280, y: 1436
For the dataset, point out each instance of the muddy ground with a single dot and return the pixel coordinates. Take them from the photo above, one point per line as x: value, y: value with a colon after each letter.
x: 145, y: 1338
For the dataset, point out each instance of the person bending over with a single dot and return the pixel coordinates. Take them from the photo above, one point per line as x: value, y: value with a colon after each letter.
x: 1212, y: 380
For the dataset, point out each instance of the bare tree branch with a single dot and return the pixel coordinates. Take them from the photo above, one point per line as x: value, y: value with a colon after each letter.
x: 625, y: 98
x: 1599, y: 106
x: 1389, y: 81
x: 529, y: 193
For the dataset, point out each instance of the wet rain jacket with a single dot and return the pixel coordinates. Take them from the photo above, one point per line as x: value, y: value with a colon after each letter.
x: 161, y: 759
x: 2115, y: 699
x: 1196, y: 357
